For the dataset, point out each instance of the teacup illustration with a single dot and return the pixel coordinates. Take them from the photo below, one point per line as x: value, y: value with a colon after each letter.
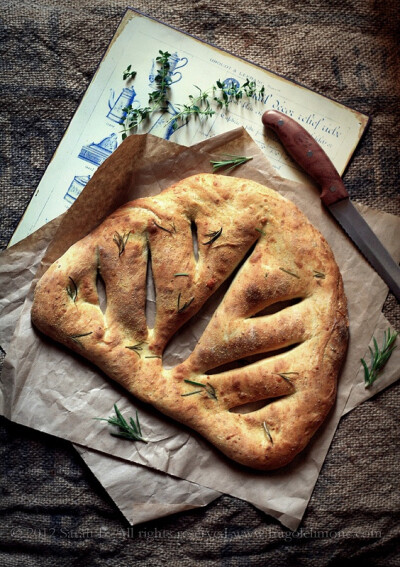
x: 175, y: 63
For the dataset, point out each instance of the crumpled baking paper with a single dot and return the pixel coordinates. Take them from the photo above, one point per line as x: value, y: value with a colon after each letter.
x: 46, y: 387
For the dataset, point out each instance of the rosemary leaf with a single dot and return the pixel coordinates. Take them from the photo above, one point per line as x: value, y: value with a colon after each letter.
x: 290, y: 273
x: 320, y: 275
x: 182, y: 308
x: 209, y: 388
x: 191, y: 393
x: 130, y: 431
x: 163, y: 228
x: 267, y: 432
x: 195, y: 383
x: 136, y: 348
x: 153, y: 356
x: 213, y: 236
x: 261, y: 231
x: 76, y: 338
x: 180, y: 274
x: 231, y: 162
x: 379, y: 357
x: 211, y: 391
x: 72, y: 290
x: 285, y: 375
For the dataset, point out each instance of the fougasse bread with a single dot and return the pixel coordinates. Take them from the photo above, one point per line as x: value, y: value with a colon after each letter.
x: 263, y: 376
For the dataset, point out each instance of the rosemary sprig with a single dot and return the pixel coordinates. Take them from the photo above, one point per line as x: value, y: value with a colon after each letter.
x: 72, y: 290
x: 128, y: 74
x: 379, y: 357
x: 130, y: 431
x: 290, y: 273
x: 136, y: 348
x: 213, y: 236
x: 267, y: 432
x: 320, y: 275
x: 182, y: 308
x: 209, y: 388
x: 121, y: 241
x: 231, y: 162
x: 76, y: 338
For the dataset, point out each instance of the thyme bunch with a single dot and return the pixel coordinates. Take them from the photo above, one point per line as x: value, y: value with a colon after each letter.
x: 221, y: 94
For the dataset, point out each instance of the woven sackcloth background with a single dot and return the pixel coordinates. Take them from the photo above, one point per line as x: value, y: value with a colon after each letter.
x: 53, y: 512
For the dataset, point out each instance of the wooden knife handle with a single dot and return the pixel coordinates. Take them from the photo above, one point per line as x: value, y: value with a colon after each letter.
x: 308, y: 154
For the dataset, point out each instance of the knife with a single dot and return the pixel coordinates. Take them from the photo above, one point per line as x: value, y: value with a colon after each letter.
x: 312, y: 158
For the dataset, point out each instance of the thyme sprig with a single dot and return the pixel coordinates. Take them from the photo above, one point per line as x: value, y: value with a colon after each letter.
x: 230, y: 162
x: 213, y: 236
x: 130, y: 431
x: 182, y: 308
x: 72, y: 290
x: 199, y: 106
x: 121, y: 241
x: 379, y: 357
x: 209, y: 388
x: 231, y: 92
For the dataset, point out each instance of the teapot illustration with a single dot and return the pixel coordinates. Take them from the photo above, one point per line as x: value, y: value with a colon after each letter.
x: 175, y: 63
x: 75, y: 188
x: 97, y: 153
x: 117, y: 105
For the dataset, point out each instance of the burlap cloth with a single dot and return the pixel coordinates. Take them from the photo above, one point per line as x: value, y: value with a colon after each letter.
x: 53, y: 512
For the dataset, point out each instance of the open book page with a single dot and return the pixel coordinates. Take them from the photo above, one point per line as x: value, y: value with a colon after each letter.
x: 95, y: 130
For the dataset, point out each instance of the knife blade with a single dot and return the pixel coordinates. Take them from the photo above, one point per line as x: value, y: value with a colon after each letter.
x: 312, y: 158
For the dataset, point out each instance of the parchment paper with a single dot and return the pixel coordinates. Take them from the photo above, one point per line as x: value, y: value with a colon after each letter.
x: 141, y: 493
x: 50, y: 390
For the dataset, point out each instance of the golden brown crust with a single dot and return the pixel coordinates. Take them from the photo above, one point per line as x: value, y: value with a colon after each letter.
x: 287, y: 296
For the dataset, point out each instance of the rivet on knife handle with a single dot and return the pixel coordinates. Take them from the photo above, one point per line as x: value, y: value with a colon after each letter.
x: 308, y: 154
